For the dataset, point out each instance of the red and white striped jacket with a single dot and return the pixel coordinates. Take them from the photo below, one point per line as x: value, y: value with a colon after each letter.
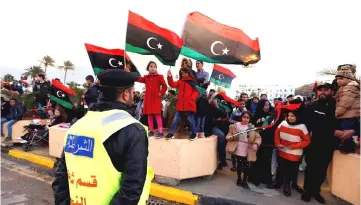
x: 294, y: 138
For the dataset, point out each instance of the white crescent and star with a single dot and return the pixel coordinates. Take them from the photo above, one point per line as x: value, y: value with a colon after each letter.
x: 224, y: 51
x: 159, y: 46
x: 221, y: 77
x: 60, y: 94
x: 114, y: 66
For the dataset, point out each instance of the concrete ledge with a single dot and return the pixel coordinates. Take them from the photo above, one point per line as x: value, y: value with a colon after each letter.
x: 37, y: 159
x: 173, y: 194
x: 181, y: 158
x: 345, y: 177
x: 56, y: 140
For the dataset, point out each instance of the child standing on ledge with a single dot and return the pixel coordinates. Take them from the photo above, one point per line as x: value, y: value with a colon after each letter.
x: 187, y: 96
x: 155, y: 88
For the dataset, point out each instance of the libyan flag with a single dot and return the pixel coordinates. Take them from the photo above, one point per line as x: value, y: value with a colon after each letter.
x: 104, y: 59
x: 146, y: 38
x: 60, y: 94
x: 225, y: 102
x: 222, y: 76
x: 210, y: 41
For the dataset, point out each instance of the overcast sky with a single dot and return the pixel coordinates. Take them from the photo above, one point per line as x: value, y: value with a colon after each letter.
x: 297, y: 38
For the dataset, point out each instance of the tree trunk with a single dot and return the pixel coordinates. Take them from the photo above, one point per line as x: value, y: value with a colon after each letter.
x: 45, y: 70
x: 65, y: 76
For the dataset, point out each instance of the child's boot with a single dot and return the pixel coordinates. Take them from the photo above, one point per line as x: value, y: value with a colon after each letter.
x: 287, y: 189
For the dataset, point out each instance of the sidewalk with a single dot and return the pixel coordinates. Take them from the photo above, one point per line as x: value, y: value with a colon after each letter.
x: 221, y: 186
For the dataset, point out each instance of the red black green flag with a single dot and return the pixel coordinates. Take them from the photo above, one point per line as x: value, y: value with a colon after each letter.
x: 104, y: 59
x: 146, y: 38
x: 210, y: 41
x: 60, y: 94
x: 222, y: 76
x: 225, y: 102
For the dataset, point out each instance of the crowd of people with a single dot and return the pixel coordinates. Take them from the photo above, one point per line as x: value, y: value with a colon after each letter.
x: 294, y: 128
x: 257, y: 134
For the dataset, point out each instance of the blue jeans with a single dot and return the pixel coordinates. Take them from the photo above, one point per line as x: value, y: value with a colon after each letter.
x: 40, y: 106
x: 221, y: 143
x: 200, y: 124
x: 177, y: 119
x: 9, y: 125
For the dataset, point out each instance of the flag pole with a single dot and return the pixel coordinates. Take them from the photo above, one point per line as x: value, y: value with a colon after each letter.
x: 125, y: 46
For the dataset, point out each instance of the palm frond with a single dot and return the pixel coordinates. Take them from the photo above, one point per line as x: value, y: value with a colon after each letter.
x: 328, y: 71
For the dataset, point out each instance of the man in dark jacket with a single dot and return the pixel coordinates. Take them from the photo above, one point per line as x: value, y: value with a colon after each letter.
x: 321, y: 122
x: 92, y: 93
x: 15, y: 114
x: 127, y: 148
x: 42, y: 89
x: 5, y: 107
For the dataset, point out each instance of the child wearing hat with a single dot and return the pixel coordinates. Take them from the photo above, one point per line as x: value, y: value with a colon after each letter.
x: 347, y: 103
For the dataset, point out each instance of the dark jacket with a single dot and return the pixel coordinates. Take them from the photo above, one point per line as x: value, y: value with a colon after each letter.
x: 128, y: 151
x: 5, y: 108
x: 202, y: 107
x: 92, y: 94
x: 42, y: 90
x: 321, y: 122
x: 16, y: 112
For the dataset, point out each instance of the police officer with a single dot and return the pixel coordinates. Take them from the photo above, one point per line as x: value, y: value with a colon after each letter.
x: 105, y: 152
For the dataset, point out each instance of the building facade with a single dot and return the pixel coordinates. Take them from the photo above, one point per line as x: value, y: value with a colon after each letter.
x: 272, y: 91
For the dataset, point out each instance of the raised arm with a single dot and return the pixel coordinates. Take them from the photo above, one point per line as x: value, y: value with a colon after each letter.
x: 141, y: 79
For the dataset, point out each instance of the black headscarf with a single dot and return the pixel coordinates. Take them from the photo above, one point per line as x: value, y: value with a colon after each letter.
x: 259, y: 111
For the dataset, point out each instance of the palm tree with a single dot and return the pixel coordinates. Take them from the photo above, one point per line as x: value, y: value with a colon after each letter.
x: 327, y: 71
x: 47, y: 61
x: 68, y: 65
x: 33, y: 71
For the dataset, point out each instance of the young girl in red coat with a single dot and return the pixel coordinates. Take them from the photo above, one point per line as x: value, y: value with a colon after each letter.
x: 186, y: 103
x: 155, y: 88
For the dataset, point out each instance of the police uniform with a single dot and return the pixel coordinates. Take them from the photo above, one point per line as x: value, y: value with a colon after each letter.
x: 105, y: 153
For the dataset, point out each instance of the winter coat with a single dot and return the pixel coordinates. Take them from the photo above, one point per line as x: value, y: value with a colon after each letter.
x: 92, y: 94
x: 42, y: 90
x: 5, y: 108
x: 253, y: 138
x: 153, y: 92
x: 348, y: 101
x: 16, y: 112
x: 187, y: 94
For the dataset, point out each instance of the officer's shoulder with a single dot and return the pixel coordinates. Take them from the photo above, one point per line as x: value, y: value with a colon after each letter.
x: 134, y: 127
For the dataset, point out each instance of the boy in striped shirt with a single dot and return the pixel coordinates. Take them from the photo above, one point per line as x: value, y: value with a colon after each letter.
x: 291, y: 137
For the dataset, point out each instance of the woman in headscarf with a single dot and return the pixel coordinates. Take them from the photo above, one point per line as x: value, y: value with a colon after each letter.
x: 261, y: 169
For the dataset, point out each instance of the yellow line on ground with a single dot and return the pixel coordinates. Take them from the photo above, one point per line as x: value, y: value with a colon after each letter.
x: 173, y: 194
x: 157, y: 190
x: 37, y: 159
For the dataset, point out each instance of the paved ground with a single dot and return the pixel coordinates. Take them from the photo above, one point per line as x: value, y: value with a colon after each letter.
x: 27, y: 188
x: 24, y: 183
x: 223, y: 185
